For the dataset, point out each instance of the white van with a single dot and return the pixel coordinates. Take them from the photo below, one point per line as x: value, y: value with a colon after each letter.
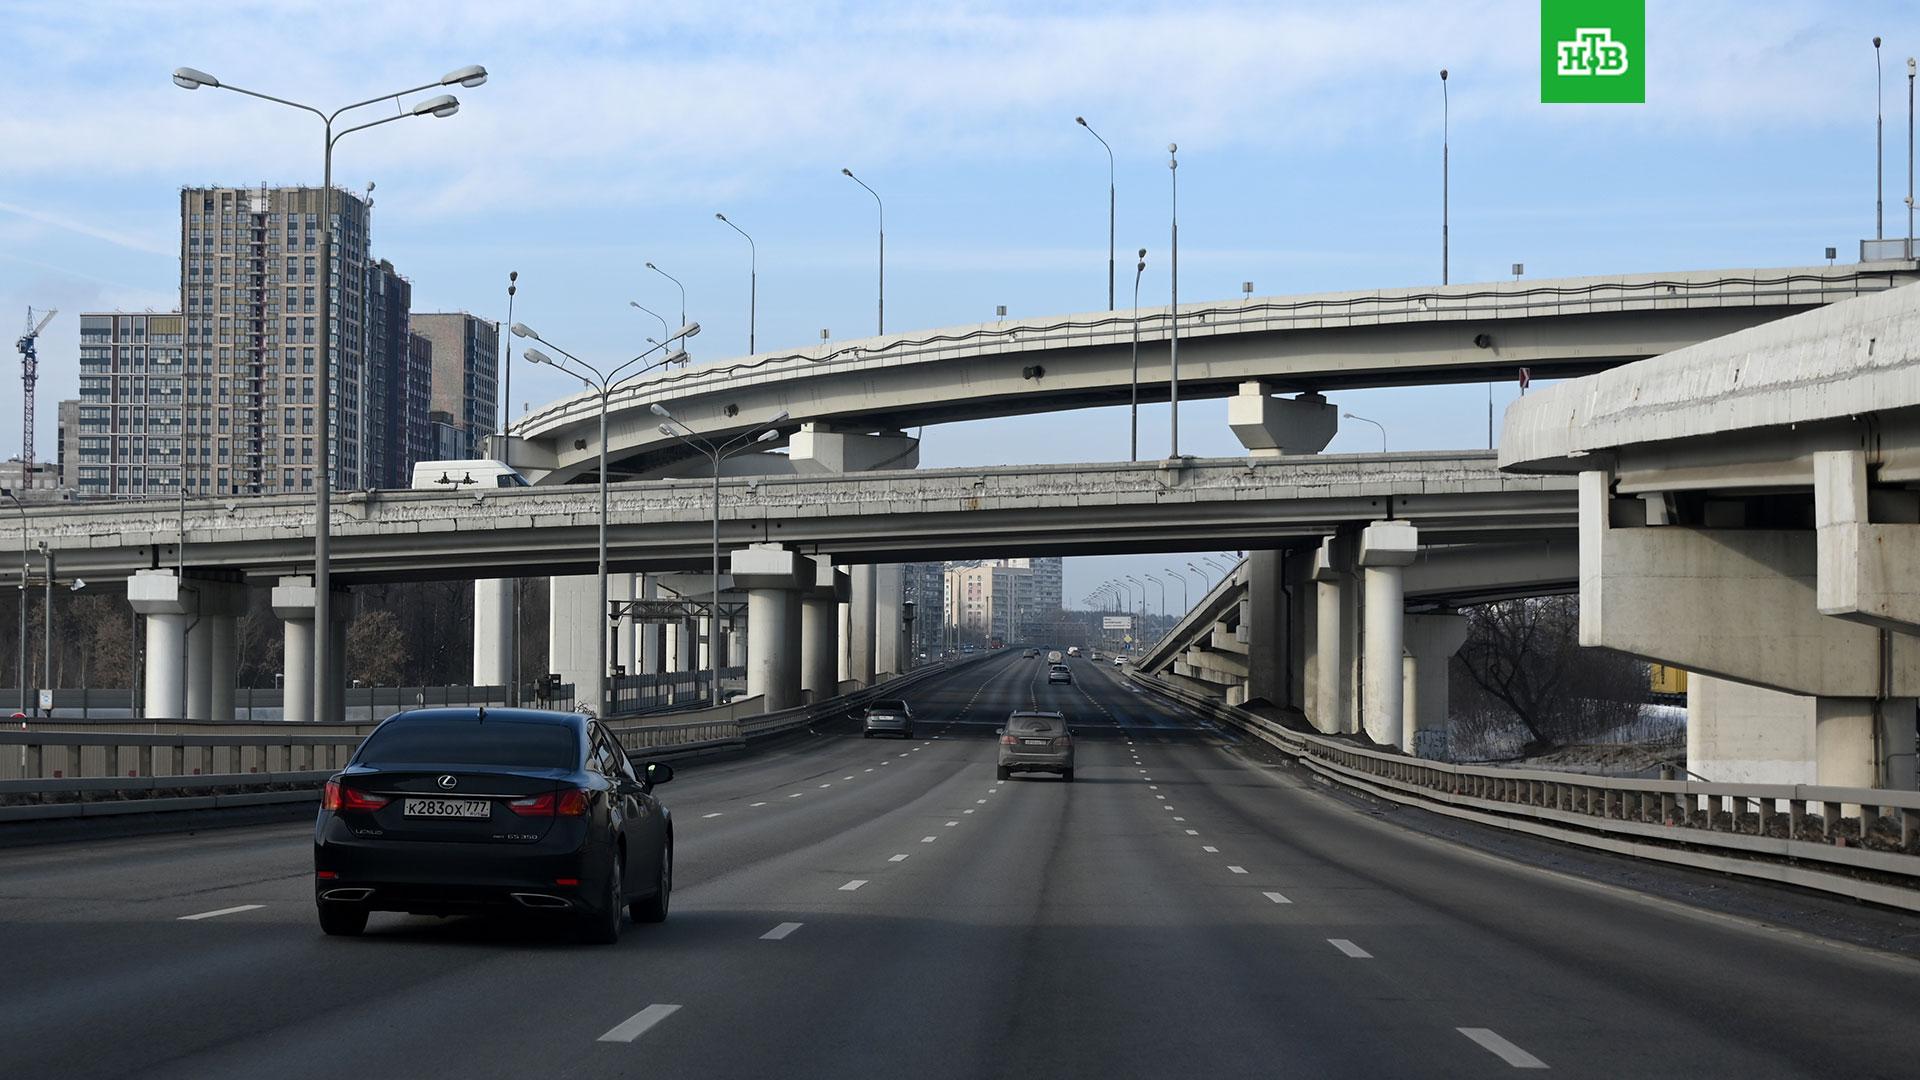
x: 462, y: 474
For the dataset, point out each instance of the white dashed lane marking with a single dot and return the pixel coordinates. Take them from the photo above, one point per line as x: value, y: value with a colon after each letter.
x: 951, y: 824
x: 1349, y: 948
x: 636, y: 1025
x: 928, y: 839
x: 1193, y: 832
x: 1491, y: 1041
x: 898, y: 858
x: 1208, y: 848
x: 752, y: 805
x: 852, y: 885
x: 781, y: 931
x: 220, y: 912
x: 1276, y: 898
x: 1238, y: 869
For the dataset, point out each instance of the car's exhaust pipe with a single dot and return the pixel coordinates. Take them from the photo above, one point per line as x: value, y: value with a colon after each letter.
x: 540, y: 900
x: 346, y: 895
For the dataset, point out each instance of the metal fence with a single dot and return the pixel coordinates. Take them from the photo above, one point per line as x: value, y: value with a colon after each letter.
x: 1859, y: 842
x: 360, y: 703
x: 636, y: 694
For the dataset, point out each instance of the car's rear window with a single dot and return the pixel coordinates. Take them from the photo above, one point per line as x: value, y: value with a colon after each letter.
x: 1034, y: 723
x: 895, y: 705
x: 453, y: 741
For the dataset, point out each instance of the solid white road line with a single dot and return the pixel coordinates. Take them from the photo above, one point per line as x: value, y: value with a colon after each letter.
x: 1276, y: 898
x: 898, y: 858
x: 928, y: 839
x: 1501, y: 1048
x: 852, y: 885
x: 1349, y: 948
x: 1209, y: 849
x: 636, y: 1025
x: 716, y: 813
x: 1238, y: 869
x: 781, y: 931
x: 222, y: 911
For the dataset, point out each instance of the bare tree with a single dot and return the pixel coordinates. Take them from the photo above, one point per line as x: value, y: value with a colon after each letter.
x: 1525, y: 655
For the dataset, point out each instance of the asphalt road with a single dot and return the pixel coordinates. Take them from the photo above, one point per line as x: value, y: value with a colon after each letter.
x: 868, y: 908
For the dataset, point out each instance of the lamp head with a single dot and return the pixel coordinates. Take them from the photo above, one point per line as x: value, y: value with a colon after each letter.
x: 719, y: 215
x: 659, y: 410
x: 780, y: 418
x: 846, y: 172
x: 767, y: 436
x: 1081, y: 120
x: 521, y: 329
x: 692, y: 329
x: 650, y: 266
x: 535, y: 356
x: 1443, y: 71
x: 470, y: 76
x: 442, y: 106
x: 1876, y: 41
x: 78, y: 584
x: 679, y: 357
x: 187, y: 78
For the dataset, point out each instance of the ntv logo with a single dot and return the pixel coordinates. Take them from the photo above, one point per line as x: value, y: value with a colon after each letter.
x: 1592, y: 52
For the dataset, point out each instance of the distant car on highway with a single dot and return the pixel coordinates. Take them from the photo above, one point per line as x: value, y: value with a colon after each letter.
x: 1036, y: 742
x: 1030, y: 654
x: 472, y: 810
x: 887, y: 716
x: 1059, y: 673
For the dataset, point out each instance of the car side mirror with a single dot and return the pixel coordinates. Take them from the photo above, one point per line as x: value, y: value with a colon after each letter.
x: 999, y: 731
x: 656, y: 772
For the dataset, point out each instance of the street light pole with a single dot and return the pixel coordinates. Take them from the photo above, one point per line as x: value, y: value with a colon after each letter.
x: 753, y: 280
x: 1133, y: 453
x: 1879, y: 147
x: 676, y: 283
x: 1173, y: 311
x: 1375, y: 423
x: 848, y: 173
x: 441, y: 106
x: 1082, y: 121
x: 1446, y: 123
x: 20, y: 673
x: 601, y: 383
x: 1186, y: 604
x: 759, y: 433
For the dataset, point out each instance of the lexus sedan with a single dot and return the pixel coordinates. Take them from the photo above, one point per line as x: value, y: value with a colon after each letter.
x: 887, y: 716
x: 476, y: 810
x: 1035, y: 742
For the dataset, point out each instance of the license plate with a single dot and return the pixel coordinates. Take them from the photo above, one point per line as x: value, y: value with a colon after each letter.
x: 1036, y: 742
x: 448, y: 808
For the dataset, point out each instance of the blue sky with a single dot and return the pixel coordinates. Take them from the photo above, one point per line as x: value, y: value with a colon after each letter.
x: 609, y: 135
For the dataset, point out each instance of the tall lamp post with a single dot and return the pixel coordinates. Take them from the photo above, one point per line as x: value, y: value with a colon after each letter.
x: 665, y: 330
x: 676, y: 283
x: 441, y: 105
x: 1082, y: 121
x: 766, y: 431
x: 20, y: 673
x: 1173, y: 310
x: 848, y: 173
x: 1185, y: 603
x: 1142, y: 587
x: 602, y: 384
x: 1445, y: 126
x: 1879, y: 148
x: 1375, y: 423
x: 1140, y: 268
x: 1204, y: 578
x: 753, y: 279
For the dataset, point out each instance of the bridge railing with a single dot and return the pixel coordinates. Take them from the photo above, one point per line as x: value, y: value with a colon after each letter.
x: 1858, y: 842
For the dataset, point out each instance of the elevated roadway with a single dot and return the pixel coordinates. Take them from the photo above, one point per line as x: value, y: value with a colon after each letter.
x: 877, y: 908
x: 1289, y: 344
x: 1455, y: 497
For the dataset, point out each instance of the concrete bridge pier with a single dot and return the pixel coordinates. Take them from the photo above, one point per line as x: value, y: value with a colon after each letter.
x: 190, y: 642
x: 820, y: 608
x: 1336, y: 633
x: 573, y: 635
x: 889, y: 654
x: 1431, y: 640
x: 293, y: 603
x: 1386, y: 548
x: 1272, y: 427
x: 493, y: 632
x: 862, y: 612
x: 773, y: 578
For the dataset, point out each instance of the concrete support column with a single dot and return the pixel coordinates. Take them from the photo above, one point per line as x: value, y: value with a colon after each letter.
x: 199, y: 667
x: 223, y: 662
x: 1386, y: 547
x: 861, y: 616
x: 626, y: 636
x: 493, y: 637
x: 573, y: 635
x: 773, y: 578
x: 887, y: 654
x: 704, y: 634
x: 843, y: 649
x: 820, y: 608
x: 1267, y: 639
x: 1431, y: 641
x: 168, y: 609
x: 1334, y: 640
x: 293, y: 603
x: 296, y: 678
x: 650, y: 638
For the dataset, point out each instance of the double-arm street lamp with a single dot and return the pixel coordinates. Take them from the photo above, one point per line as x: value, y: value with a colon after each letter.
x: 602, y: 384
x: 753, y: 278
x: 766, y: 431
x: 441, y: 105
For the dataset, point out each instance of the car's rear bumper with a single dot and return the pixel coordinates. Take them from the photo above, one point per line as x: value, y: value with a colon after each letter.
x: 1036, y: 762
x: 888, y: 727
x: 430, y: 878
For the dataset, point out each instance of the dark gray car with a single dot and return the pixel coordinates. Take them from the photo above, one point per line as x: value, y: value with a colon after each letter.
x: 887, y: 716
x: 1036, y: 742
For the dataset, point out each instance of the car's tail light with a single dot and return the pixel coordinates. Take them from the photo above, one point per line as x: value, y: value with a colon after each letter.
x: 1064, y: 742
x: 566, y: 881
x: 1008, y: 740
x: 338, y: 797
x: 569, y: 803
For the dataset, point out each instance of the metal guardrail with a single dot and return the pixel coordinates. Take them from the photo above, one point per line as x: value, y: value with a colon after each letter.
x: 1857, y: 842
x: 91, y: 773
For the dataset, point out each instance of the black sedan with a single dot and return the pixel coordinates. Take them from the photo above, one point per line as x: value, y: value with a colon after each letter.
x: 451, y: 811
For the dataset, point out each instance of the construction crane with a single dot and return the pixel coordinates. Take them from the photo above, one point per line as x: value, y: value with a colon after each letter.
x: 29, y: 372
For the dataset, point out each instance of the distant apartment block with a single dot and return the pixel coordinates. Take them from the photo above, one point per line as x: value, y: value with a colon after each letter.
x: 126, y: 434
x: 398, y: 382
x: 466, y: 358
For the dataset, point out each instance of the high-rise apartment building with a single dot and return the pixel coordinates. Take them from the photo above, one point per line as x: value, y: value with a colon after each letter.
x: 992, y: 600
x: 69, y: 452
x: 419, y: 398
x: 466, y: 358
x: 397, y: 382
x: 249, y: 290
x: 127, y: 430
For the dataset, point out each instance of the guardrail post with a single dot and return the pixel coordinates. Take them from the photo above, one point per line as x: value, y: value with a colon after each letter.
x: 1830, y: 813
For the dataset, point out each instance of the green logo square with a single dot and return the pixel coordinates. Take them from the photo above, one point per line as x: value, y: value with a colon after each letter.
x: 1593, y: 50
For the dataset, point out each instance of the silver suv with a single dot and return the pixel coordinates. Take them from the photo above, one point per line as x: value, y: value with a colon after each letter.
x: 887, y: 716
x: 1036, y: 742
